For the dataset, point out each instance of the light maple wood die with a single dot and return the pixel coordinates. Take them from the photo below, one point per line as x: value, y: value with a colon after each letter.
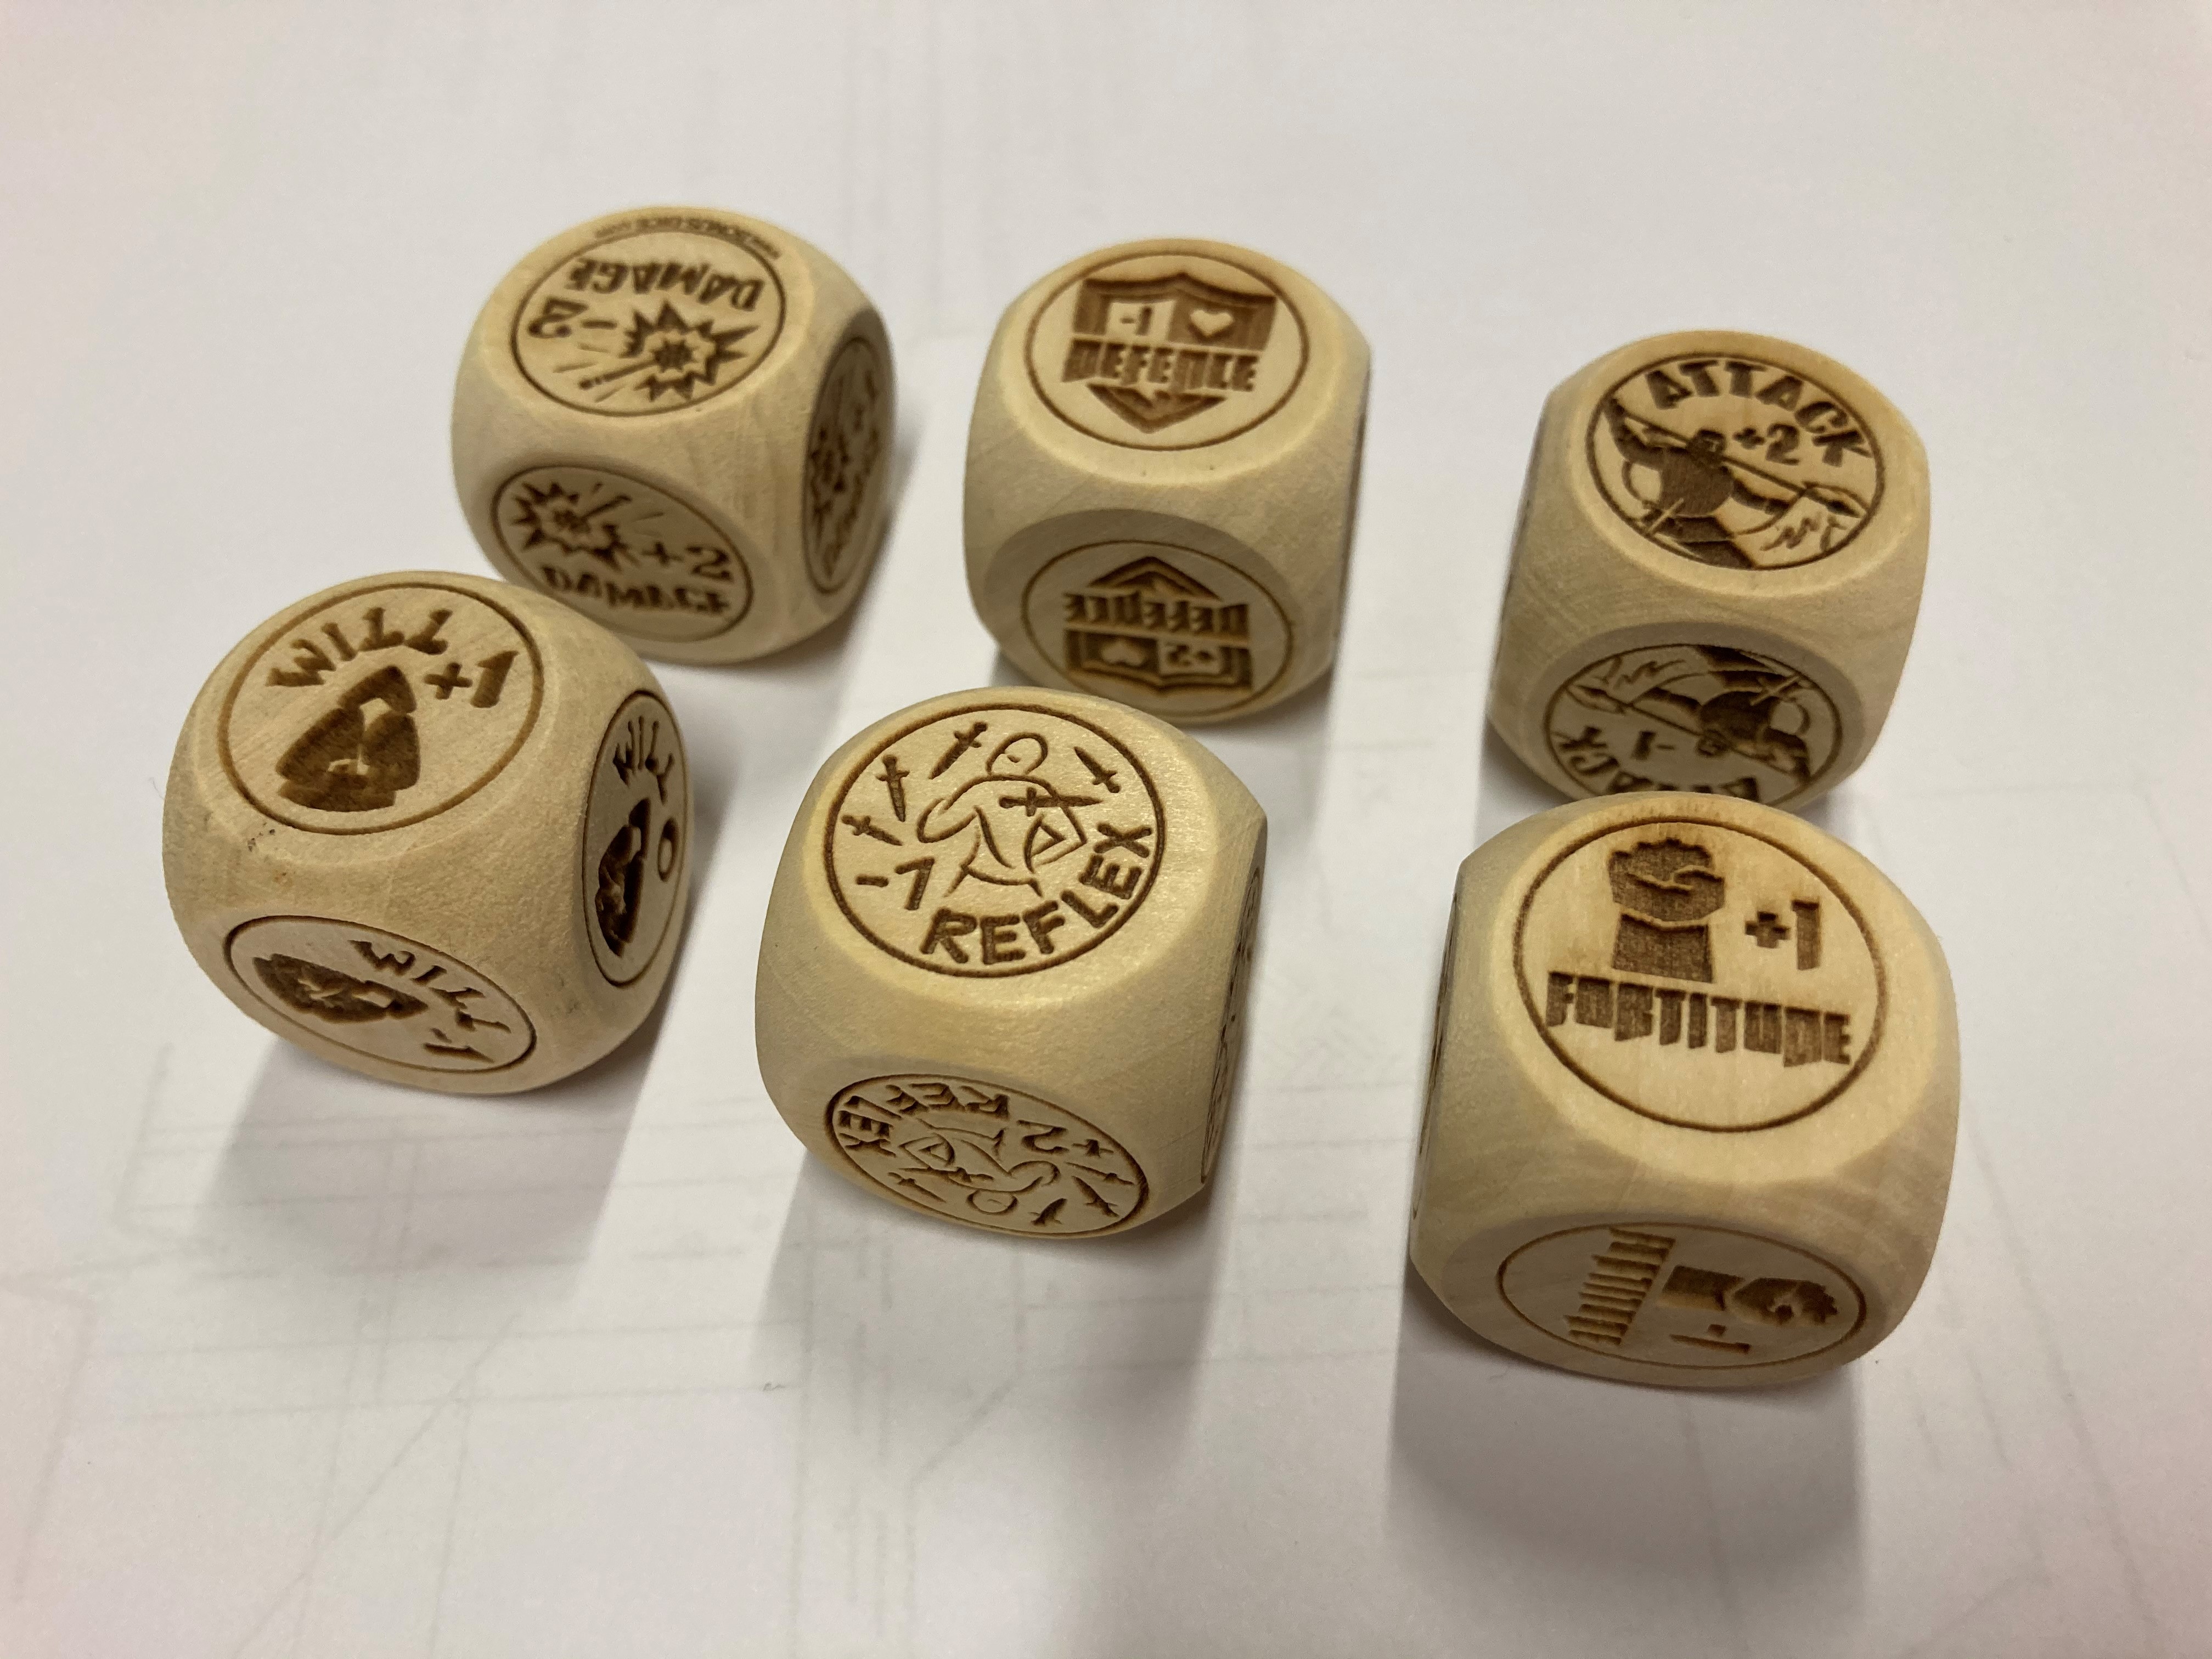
x: 1715, y: 574
x: 1003, y: 972
x: 679, y: 421
x: 1693, y: 1099
x: 435, y: 829
x: 1162, y: 470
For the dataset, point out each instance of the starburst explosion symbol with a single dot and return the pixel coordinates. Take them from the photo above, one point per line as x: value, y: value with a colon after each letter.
x: 568, y: 521
x: 680, y: 355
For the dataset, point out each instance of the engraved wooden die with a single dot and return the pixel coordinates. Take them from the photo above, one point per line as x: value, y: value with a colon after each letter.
x: 1161, y: 471
x: 1716, y: 574
x: 1693, y: 1098
x: 679, y: 421
x: 1003, y: 972
x: 433, y: 827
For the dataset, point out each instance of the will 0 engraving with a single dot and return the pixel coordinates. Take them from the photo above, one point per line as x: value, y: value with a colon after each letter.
x: 637, y: 829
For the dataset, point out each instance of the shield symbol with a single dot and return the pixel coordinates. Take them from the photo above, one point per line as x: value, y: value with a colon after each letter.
x: 1193, y: 329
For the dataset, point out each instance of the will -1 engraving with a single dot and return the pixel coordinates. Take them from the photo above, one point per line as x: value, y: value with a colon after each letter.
x: 986, y: 1155
x: 637, y: 832
x: 847, y: 444
x: 1001, y: 839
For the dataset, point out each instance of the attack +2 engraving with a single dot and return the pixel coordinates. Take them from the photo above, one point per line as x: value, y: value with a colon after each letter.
x: 1733, y: 462
x: 1702, y: 976
x: 637, y: 833
x: 847, y: 444
x: 382, y: 708
x: 393, y: 999
x: 631, y: 557
x: 661, y: 314
x: 986, y: 1155
x: 1690, y: 1298
x: 1703, y: 718
x: 998, y: 839
x: 1166, y: 350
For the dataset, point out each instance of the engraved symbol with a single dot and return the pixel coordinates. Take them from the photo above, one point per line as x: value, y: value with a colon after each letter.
x: 1705, y: 718
x: 1666, y: 888
x: 1801, y: 479
x: 1166, y: 351
x: 989, y: 1156
x: 1230, y: 1050
x: 312, y: 989
x: 1025, y: 859
x: 637, y: 825
x: 845, y: 448
x: 344, y: 764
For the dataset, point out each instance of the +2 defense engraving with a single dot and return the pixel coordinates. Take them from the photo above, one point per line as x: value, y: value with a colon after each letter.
x: 637, y: 828
x: 1166, y: 350
x: 986, y: 1155
x: 847, y: 444
x: 1698, y: 974
x: 1733, y: 462
x: 998, y: 839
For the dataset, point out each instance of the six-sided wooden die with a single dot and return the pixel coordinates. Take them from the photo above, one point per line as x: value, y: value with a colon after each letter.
x: 1716, y: 574
x: 435, y: 829
x: 1693, y: 1098
x: 1002, y: 974
x: 679, y: 421
x: 1161, y: 471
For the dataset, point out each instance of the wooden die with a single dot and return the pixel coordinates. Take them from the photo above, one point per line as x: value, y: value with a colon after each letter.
x: 1003, y: 972
x: 1162, y: 470
x: 679, y: 421
x: 1693, y: 1098
x: 435, y: 829
x: 1716, y: 574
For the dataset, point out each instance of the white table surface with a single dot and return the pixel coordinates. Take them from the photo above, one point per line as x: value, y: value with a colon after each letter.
x: 293, y: 1364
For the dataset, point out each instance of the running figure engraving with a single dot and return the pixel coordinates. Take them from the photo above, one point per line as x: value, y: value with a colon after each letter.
x: 1695, y: 481
x: 1021, y: 827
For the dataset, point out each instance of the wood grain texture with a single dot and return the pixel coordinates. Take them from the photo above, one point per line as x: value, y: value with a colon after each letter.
x: 1161, y: 471
x: 1715, y: 574
x: 435, y: 829
x: 1003, y: 970
x: 679, y: 421
x: 1693, y: 1099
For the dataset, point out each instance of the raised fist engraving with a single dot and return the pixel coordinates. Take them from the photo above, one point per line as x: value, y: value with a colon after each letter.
x: 1665, y: 889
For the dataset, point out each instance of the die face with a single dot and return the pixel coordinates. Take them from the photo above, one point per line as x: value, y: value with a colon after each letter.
x: 433, y: 828
x: 678, y: 421
x: 1002, y: 972
x: 1693, y: 1097
x: 1162, y: 473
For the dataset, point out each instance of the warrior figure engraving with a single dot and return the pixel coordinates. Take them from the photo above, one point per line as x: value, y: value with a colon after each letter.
x: 1021, y: 826
x: 1696, y: 480
x: 1743, y: 717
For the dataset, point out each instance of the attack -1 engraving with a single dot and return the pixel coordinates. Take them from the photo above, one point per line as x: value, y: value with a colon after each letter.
x: 1177, y: 632
x: 379, y: 709
x: 1704, y: 718
x: 995, y: 840
x: 1735, y: 463
x: 637, y: 829
x: 1698, y: 974
x: 989, y: 1156
x: 661, y: 314
x: 1166, y: 351
x: 1690, y: 1296
x: 379, y: 994
x: 847, y: 444
x: 631, y: 557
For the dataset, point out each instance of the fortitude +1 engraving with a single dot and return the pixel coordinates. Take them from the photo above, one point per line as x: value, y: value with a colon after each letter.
x: 652, y: 319
x: 1650, y: 958
x: 379, y: 994
x: 847, y: 442
x: 629, y: 556
x: 1682, y: 1297
x: 379, y: 709
x: 637, y: 828
x: 998, y: 840
x: 1166, y: 351
x: 1733, y: 462
x: 986, y: 1155
x: 1704, y: 718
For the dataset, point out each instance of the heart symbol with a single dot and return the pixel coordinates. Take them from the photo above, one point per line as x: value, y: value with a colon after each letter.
x: 1207, y: 324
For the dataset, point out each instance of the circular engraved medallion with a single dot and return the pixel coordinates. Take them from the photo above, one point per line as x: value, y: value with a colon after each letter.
x: 661, y: 315
x: 632, y: 558
x: 1166, y: 350
x: 1178, y: 633
x: 1701, y: 975
x: 998, y: 839
x: 990, y: 1157
x: 380, y: 708
x: 637, y: 833
x: 1704, y: 718
x: 1686, y: 1297
x: 393, y: 999
x: 847, y: 444
x: 1733, y: 462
